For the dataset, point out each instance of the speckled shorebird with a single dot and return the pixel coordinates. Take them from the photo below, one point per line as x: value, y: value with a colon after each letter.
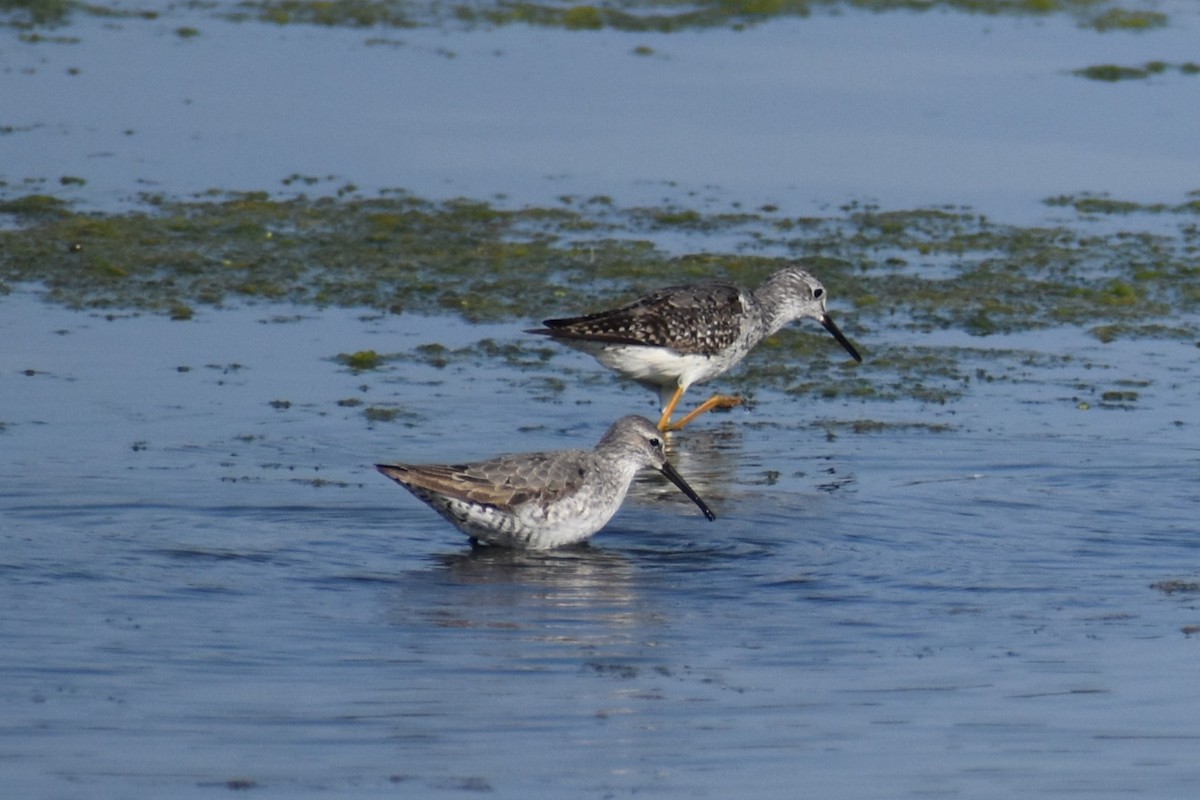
x: 537, y: 501
x: 682, y: 335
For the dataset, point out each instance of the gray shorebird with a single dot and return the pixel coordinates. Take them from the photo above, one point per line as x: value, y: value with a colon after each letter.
x: 680, y: 335
x: 537, y: 501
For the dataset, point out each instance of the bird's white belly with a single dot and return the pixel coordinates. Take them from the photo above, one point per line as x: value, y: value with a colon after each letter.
x: 568, y: 521
x: 533, y: 526
x: 656, y: 366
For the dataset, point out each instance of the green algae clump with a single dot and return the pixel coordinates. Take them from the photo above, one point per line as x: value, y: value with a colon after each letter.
x: 361, y: 360
x: 583, y: 18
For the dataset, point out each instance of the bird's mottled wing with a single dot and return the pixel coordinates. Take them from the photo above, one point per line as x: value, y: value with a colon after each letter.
x: 701, y: 319
x: 504, y: 483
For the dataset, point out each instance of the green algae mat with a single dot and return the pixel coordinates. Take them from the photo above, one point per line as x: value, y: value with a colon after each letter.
x: 660, y: 16
x: 1116, y: 269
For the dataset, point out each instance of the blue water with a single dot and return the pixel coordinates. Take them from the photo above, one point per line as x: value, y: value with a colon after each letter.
x: 188, y: 610
x: 906, y: 109
x: 205, y: 587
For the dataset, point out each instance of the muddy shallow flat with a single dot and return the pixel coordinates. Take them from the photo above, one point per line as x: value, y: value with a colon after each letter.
x: 207, y: 587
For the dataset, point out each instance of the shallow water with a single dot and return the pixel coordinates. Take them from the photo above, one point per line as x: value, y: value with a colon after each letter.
x: 204, y: 591
x: 902, y: 108
x: 205, y: 587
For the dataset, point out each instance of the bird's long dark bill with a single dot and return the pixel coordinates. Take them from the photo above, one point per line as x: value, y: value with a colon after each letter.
x: 827, y: 321
x: 675, y: 478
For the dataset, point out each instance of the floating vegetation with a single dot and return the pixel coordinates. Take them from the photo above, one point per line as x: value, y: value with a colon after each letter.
x: 1103, y: 204
x: 1113, y: 72
x: 180, y: 312
x: 1119, y: 398
x: 1117, y: 19
x: 380, y: 413
x: 926, y: 269
x: 663, y: 16
x: 344, y: 13
x: 651, y: 16
x: 35, y: 205
x: 866, y: 426
x: 30, y: 13
x: 390, y: 412
x: 39, y: 13
x: 923, y: 270
x: 1177, y: 586
x: 360, y: 361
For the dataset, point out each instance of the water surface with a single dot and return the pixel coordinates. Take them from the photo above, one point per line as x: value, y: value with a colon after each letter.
x: 206, y: 590
x: 205, y: 587
x: 906, y: 109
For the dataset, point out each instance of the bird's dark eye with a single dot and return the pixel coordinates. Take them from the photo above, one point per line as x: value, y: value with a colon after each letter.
x: 655, y: 443
x: 817, y: 293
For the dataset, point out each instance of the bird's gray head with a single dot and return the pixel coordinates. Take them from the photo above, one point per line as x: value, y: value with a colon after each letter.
x: 640, y: 437
x: 792, y: 293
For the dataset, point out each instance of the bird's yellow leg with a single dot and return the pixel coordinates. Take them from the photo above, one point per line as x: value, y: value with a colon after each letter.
x: 716, y: 401
x: 664, y: 422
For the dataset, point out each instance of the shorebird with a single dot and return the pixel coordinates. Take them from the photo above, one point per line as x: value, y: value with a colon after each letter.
x: 537, y: 501
x: 680, y: 335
